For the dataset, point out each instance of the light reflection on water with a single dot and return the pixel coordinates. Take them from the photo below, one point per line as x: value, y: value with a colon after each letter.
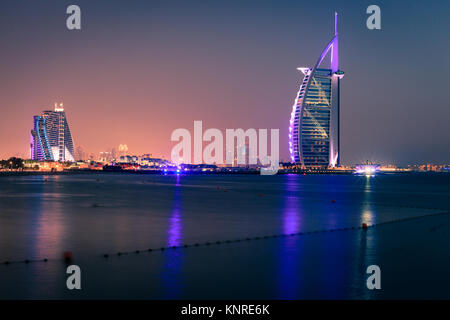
x: 126, y: 212
x: 288, y: 266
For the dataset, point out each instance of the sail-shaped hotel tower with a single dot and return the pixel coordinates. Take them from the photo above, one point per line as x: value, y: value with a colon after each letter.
x: 314, y: 123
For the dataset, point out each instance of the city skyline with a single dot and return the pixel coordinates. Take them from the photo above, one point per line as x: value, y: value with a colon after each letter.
x: 50, y: 136
x: 169, y: 71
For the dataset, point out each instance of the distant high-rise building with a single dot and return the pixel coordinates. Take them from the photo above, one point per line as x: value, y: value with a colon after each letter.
x: 123, y: 149
x: 50, y: 136
x: 314, y: 124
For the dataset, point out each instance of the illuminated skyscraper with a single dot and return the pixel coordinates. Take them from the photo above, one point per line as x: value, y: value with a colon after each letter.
x: 50, y: 136
x: 314, y: 124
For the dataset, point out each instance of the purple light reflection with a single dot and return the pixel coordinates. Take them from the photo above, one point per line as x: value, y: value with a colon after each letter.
x: 291, y: 217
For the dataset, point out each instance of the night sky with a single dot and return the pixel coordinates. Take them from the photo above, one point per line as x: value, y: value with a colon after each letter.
x: 140, y: 69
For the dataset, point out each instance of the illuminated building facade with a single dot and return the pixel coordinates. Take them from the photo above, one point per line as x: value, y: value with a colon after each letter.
x: 314, y: 123
x: 50, y: 136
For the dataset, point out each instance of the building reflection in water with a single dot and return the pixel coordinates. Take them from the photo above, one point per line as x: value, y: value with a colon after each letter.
x: 290, y: 264
x: 47, y: 236
x: 315, y: 265
x: 366, y: 242
x: 291, y: 216
x: 368, y: 214
x: 171, y: 274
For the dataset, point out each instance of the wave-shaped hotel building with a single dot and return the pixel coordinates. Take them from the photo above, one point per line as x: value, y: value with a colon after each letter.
x: 50, y: 137
x: 314, y: 123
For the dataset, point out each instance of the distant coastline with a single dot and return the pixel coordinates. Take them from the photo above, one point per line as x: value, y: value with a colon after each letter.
x: 162, y: 173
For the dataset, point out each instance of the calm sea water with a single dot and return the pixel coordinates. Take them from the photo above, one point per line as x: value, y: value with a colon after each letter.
x: 96, y: 214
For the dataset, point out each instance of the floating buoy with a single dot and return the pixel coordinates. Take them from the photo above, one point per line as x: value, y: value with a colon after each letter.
x: 6, y: 262
x: 364, y: 226
x: 333, y: 201
x: 119, y: 253
x: 137, y: 251
x: 149, y: 250
x: 68, y: 256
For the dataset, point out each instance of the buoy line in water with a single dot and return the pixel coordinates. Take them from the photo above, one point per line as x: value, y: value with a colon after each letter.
x: 68, y: 256
x: 334, y: 201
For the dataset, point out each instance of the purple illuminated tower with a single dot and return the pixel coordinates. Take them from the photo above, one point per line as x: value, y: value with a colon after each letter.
x: 314, y: 124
